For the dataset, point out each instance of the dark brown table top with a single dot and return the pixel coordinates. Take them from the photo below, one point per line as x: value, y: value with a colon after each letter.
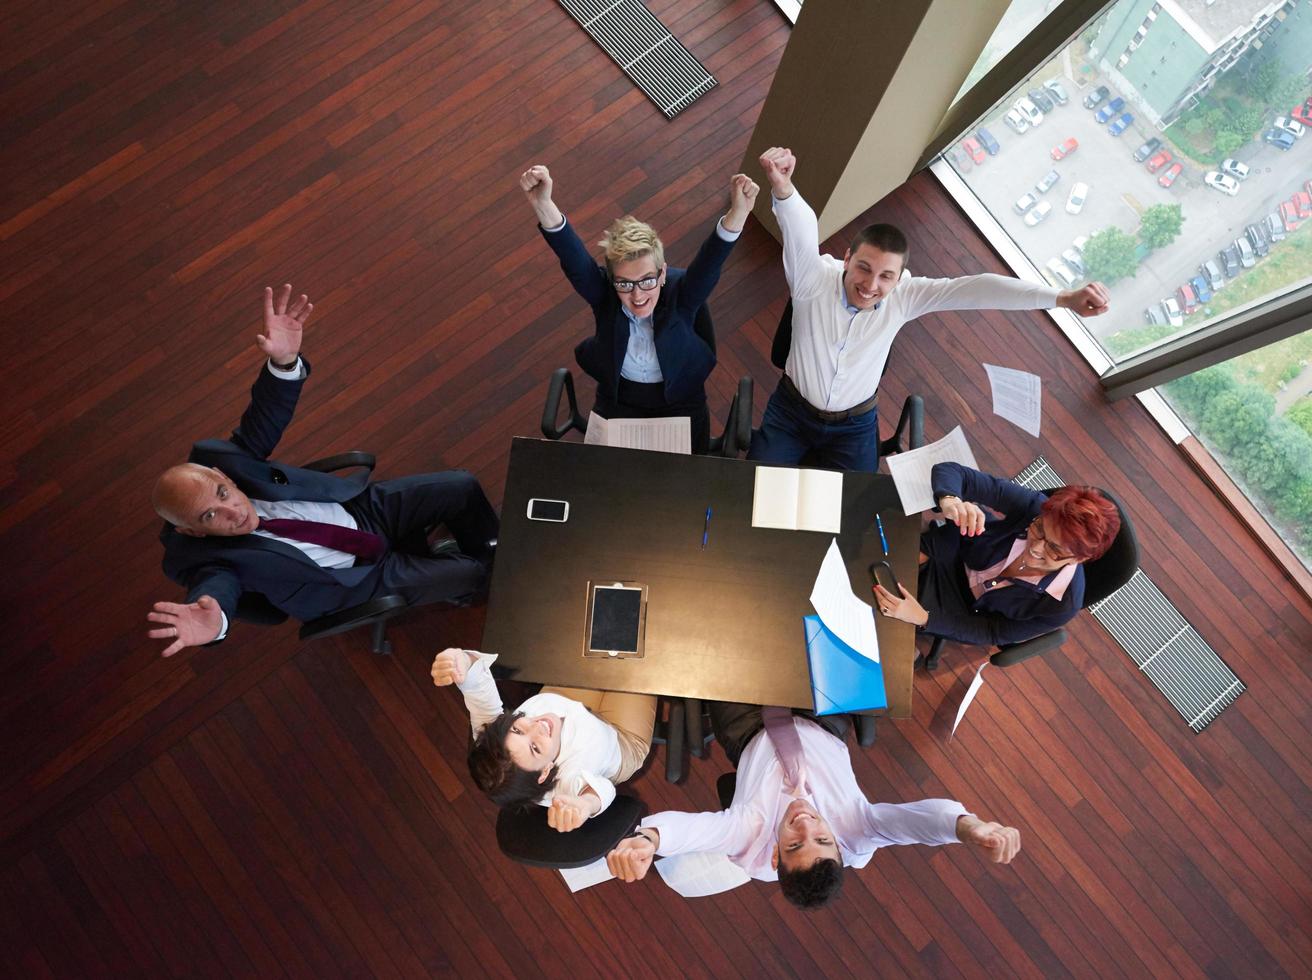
x: 722, y: 624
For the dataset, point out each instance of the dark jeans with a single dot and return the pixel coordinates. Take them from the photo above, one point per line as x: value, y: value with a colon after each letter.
x: 735, y: 725
x: 404, y: 511
x: 647, y: 401
x: 788, y: 432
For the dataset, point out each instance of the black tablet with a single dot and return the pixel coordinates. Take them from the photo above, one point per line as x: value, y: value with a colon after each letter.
x: 617, y: 618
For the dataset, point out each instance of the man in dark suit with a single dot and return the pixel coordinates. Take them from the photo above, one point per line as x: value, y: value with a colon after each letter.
x: 309, y: 542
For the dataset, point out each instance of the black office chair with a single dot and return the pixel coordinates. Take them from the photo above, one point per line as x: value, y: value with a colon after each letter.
x: 683, y: 727
x: 524, y: 836
x: 1102, y: 577
x: 253, y: 607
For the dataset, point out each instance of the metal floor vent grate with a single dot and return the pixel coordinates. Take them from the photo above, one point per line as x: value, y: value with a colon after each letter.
x: 1157, y: 638
x: 647, y: 52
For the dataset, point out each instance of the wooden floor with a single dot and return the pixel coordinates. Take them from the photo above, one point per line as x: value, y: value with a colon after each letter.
x: 266, y: 808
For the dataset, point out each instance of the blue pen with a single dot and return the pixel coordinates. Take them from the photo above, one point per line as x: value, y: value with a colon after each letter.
x: 879, y: 522
x: 706, y: 528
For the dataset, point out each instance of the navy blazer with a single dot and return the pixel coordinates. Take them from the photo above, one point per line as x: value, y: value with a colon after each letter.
x: 225, y: 567
x: 685, y: 359
x: 1022, y: 610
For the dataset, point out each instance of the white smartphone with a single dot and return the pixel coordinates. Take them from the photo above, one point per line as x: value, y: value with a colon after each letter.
x: 540, y: 509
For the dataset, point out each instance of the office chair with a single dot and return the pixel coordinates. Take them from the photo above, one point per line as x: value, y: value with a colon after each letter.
x: 684, y: 726
x: 524, y: 835
x: 1102, y: 577
x: 253, y: 607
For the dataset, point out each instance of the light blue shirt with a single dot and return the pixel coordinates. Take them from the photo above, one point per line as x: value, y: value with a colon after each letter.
x: 640, y: 363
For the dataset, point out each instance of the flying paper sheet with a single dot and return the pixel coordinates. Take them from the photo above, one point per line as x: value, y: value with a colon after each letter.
x: 1017, y: 396
x: 701, y: 873
x: 911, y: 470
x: 976, y: 683
x: 843, y: 614
x: 665, y: 435
x: 586, y: 876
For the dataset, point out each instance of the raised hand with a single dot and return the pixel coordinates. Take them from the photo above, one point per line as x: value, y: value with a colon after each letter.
x: 568, y: 813
x: 281, y: 340
x: 967, y: 516
x: 450, y: 666
x: 778, y: 163
x: 997, y: 843
x: 742, y: 198
x: 905, y: 607
x: 632, y: 856
x: 1091, y: 299
x: 187, y: 625
x: 536, y: 184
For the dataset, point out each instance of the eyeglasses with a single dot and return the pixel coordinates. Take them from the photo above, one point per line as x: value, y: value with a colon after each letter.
x: 1037, y: 527
x: 626, y: 285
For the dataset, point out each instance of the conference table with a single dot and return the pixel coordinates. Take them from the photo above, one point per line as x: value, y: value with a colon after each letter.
x: 722, y: 623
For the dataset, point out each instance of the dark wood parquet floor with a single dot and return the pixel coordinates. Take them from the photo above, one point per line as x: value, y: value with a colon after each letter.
x: 268, y: 808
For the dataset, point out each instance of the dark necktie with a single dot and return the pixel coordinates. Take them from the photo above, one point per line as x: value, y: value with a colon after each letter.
x: 787, y: 746
x: 365, y: 545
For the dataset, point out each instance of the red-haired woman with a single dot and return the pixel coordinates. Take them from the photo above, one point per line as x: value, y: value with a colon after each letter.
x: 1003, y: 579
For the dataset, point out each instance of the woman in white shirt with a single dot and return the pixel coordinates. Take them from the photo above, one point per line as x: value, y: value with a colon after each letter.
x: 563, y: 748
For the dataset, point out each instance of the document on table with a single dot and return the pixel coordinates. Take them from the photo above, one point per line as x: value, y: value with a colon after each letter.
x: 976, y: 683
x: 798, y: 500
x: 586, y: 876
x: 843, y: 614
x: 911, y: 470
x: 1017, y: 396
x: 664, y: 435
x: 701, y: 873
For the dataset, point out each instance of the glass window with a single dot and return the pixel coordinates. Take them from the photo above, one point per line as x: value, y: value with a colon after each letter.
x: 1022, y: 16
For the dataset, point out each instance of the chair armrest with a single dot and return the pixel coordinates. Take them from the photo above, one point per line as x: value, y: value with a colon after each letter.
x: 525, y: 835
x: 342, y: 461
x: 737, y: 435
x: 381, y: 607
x: 912, y: 423
x: 561, y: 380
x: 1016, y: 652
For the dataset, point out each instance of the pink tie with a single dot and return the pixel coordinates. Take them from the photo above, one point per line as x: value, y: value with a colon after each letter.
x: 787, y: 746
x: 365, y: 545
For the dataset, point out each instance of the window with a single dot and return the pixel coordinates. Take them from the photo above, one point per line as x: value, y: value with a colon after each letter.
x: 1022, y: 16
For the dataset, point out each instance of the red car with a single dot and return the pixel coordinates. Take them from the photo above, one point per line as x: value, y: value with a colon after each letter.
x: 1289, y: 215
x: 1303, y: 201
x: 1168, y: 178
x: 1158, y: 161
x: 1188, y: 299
x: 1303, y: 113
x: 972, y: 146
x: 1065, y: 149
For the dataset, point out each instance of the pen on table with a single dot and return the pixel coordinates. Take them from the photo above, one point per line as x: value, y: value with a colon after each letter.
x: 883, y: 541
x: 706, y: 528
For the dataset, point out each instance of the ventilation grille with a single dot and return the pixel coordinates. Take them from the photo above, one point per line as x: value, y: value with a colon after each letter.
x: 1157, y: 638
x: 649, y: 54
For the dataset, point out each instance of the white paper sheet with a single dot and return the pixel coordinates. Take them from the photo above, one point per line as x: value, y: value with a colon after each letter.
x: 798, y: 500
x: 976, y: 683
x: 585, y: 877
x: 663, y: 435
x: 700, y: 873
x: 911, y: 470
x: 845, y: 615
x: 1017, y: 396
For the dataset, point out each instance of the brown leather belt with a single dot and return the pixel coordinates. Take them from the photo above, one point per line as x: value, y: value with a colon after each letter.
x: 790, y: 389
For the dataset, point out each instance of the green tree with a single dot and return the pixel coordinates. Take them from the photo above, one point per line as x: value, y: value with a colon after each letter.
x: 1160, y: 224
x: 1262, y: 81
x: 1110, y: 255
x: 1301, y: 414
x: 1226, y: 142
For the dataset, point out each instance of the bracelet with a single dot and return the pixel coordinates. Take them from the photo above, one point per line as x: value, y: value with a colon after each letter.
x: 286, y: 367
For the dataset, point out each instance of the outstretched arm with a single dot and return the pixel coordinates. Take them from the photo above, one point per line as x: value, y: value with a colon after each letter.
x: 276, y: 390
x: 803, y: 266
x: 536, y: 184
x: 191, y: 625
x: 469, y: 671
x: 587, y: 278
x: 704, y: 271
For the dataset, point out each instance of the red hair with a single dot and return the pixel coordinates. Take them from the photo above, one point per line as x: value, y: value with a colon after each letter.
x: 1086, y: 521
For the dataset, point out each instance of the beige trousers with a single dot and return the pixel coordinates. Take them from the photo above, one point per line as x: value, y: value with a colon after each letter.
x: 633, y: 716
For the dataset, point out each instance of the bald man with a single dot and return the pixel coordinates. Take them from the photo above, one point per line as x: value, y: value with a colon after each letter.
x: 311, y: 543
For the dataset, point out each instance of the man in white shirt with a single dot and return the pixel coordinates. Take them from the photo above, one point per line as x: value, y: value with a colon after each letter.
x: 798, y: 815
x: 845, y: 317
x: 310, y: 543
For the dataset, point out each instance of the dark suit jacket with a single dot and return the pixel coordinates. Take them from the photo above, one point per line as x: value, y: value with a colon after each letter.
x: 1022, y: 610
x: 685, y: 359
x: 224, y: 567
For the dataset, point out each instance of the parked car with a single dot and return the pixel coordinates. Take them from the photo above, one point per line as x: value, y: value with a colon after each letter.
x: 1303, y: 201
x: 1154, y: 316
x: 1281, y: 139
x: 957, y: 157
x: 1291, y: 126
x: 1158, y: 161
x: 1061, y: 273
x: 1307, y: 186
x: 1246, y: 256
x: 1041, y: 99
x: 1235, y: 169
x: 1030, y: 111
x: 1274, y: 226
x: 1258, y: 240
x: 1079, y: 243
x: 1075, y: 202
x: 1289, y: 215
x: 1303, y: 113
x: 1229, y: 257
x: 1075, y: 260
x: 1038, y: 213
x: 1171, y: 308
x: 1063, y: 150
x: 1057, y: 91
x: 1047, y: 182
x: 1109, y: 111
x: 1095, y: 98
x: 1201, y: 289
x: 1168, y: 176
x: 1016, y: 121
x: 1147, y: 150
x: 1221, y: 182
x: 990, y: 144
x: 972, y: 147
x: 1025, y: 202
x: 1121, y: 124
x: 1212, y: 272
x: 1187, y: 299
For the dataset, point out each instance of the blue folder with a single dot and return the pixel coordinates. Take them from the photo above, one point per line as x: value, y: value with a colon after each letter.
x: 841, y: 679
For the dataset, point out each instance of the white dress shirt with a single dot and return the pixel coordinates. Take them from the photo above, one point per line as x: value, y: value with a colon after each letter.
x: 589, y: 747
x: 746, y: 832
x: 837, y: 355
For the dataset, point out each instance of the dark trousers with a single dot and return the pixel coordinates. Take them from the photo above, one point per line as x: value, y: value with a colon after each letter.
x: 647, y: 401
x: 942, y: 585
x: 405, y: 511
x: 735, y: 725
x: 788, y: 432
